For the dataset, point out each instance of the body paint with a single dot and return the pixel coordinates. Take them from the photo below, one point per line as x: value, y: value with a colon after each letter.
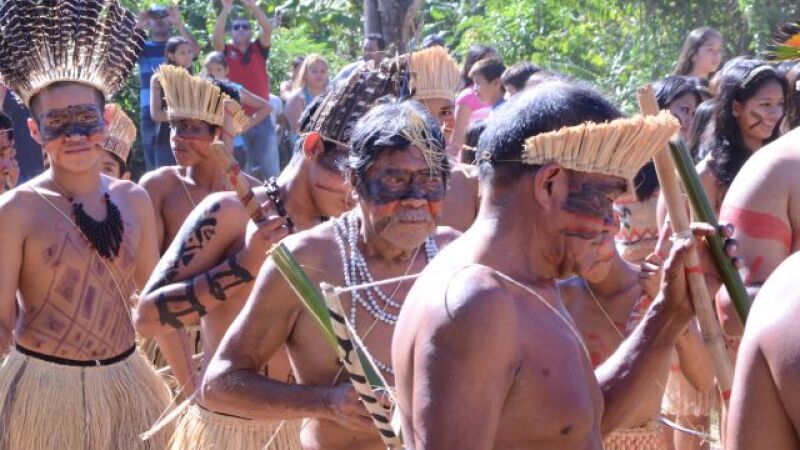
x: 391, y: 185
x: 758, y: 225
x: 82, y: 120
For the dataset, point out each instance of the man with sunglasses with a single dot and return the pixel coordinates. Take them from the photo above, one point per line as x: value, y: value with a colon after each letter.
x: 160, y: 21
x: 247, y: 65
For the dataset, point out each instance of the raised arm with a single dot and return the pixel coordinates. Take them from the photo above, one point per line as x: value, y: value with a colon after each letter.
x: 232, y: 383
x: 218, y: 38
x: 196, y: 275
x: 157, y: 111
x: 265, y: 37
x: 458, y: 412
x: 177, y: 22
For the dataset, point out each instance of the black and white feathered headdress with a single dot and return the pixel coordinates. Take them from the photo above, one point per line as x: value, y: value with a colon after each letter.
x: 94, y: 42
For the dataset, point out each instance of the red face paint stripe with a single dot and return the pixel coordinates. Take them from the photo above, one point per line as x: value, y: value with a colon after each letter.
x: 758, y: 225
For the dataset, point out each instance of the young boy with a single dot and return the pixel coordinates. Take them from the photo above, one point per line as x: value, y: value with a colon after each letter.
x: 117, y: 145
x: 486, y: 75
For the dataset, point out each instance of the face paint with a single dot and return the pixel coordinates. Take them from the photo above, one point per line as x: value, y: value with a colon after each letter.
x: 591, y: 201
x: 190, y: 129
x: 83, y: 120
x: 759, y: 119
x: 392, y: 185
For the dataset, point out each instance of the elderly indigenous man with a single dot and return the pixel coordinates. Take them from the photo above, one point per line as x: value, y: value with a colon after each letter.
x: 208, y: 271
x: 484, y: 329
x: 76, y: 244
x: 765, y: 408
x: 398, y: 170
x: 606, y: 301
x: 435, y: 78
x: 195, y: 118
x: 9, y: 167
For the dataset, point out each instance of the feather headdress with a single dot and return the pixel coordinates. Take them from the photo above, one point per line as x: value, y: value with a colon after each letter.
x: 344, y: 103
x: 434, y: 74
x: 786, y: 43
x: 94, y: 42
x: 191, y: 97
x: 618, y: 148
x: 120, y: 134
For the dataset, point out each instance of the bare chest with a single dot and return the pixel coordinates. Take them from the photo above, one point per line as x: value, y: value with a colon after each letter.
x: 176, y: 207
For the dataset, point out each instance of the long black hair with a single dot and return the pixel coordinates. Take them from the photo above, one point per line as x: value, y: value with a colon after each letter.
x: 475, y: 53
x: 738, y: 83
x: 691, y: 45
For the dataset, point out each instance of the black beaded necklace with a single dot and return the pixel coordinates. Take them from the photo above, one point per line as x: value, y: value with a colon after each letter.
x: 274, y: 194
x: 105, y: 235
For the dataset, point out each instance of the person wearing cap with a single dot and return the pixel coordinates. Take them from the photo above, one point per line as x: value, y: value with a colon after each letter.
x: 160, y: 21
x: 485, y: 354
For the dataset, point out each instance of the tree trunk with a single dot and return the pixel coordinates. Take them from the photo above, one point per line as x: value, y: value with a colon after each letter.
x: 394, y: 19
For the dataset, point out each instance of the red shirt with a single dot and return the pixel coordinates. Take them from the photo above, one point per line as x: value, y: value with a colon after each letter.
x: 249, y: 69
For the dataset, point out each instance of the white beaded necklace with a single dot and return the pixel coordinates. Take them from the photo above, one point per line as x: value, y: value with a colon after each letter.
x: 356, y: 271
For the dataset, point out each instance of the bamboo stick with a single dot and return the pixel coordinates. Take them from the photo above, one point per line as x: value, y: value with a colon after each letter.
x: 702, y: 209
x: 222, y: 149
x: 670, y: 189
x: 362, y: 370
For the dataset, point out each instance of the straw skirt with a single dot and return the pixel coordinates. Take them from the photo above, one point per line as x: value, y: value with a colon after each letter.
x: 44, y: 405
x: 201, y: 429
x: 646, y: 437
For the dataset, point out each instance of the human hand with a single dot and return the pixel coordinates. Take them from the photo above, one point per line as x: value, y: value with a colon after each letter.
x: 174, y: 15
x: 227, y: 5
x: 260, y: 237
x: 345, y: 408
x: 251, y: 4
x: 142, y: 18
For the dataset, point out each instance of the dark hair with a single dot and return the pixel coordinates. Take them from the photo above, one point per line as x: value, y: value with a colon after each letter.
x: 380, y: 131
x: 215, y: 58
x: 737, y: 84
x: 378, y: 38
x: 297, y: 62
x: 792, y: 76
x: 490, y: 69
x: 702, y: 86
x: 172, y: 46
x: 691, y: 45
x: 432, y: 40
x: 122, y: 165
x: 703, y: 121
x: 227, y: 88
x: 471, y: 138
x: 547, y: 107
x: 518, y: 74
x: 474, y: 54
x: 7, y: 124
x: 34, y: 101
x: 672, y: 88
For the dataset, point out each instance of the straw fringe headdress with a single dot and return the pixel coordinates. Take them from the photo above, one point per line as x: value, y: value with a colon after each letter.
x: 120, y: 134
x: 346, y: 101
x: 94, y: 42
x: 434, y: 74
x: 191, y: 97
x: 618, y: 148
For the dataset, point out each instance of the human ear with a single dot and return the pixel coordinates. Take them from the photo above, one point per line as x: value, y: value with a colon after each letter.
x: 737, y: 108
x: 33, y: 128
x: 547, y: 183
x: 312, y: 146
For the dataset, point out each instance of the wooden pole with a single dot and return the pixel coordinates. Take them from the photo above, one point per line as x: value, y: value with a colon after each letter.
x: 679, y: 219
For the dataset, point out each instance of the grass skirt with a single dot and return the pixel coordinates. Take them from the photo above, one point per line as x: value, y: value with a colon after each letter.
x: 47, y: 406
x: 201, y: 429
x: 646, y: 437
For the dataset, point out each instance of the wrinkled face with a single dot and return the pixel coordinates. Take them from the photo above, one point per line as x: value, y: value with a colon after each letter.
x: 190, y: 140
x: 760, y: 114
x: 317, y: 75
x: 587, y: 221
x: 371, y: 51
x: 70, y: 126
x: 488, y: 91
x: 683, y: 109
x: 241, y: 31
x: 216, y: 70
x: 708, y: 56
x: 183, y: 56
x: 401, y: 198
x: 110, y: 166
x: 442, y: 110
x: 328, y: 185
x: 8, y: 156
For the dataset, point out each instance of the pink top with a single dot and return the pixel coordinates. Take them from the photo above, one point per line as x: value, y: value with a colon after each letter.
x: 470, y: 99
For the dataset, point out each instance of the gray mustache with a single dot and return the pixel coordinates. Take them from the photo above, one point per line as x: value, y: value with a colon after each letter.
x: 412, y: 215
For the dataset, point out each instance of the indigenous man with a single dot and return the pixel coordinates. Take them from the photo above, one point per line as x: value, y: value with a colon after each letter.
x: 120, y: 135
x: 763, y: 204
x: 484, y: 329
x: 398, y: 170
x: 606, y: 301
x: 194, y: 123
x: 435, y: 78
x: 765, y: 408
x: 76, y: 244
x: 9, y: 167
x: 208, y: 272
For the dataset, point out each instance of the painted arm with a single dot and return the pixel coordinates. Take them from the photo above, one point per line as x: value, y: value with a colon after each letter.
x: 218, y: 37
x: 174, y: 345
x: 157, y: 111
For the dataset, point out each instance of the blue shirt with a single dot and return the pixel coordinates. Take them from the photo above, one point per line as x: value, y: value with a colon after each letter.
x: 150, y: 58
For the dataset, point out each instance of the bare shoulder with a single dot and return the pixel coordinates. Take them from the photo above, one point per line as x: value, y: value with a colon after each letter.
x: 18, y: 204
x: 445, y: 235
x: 157, y: 179
x: 307, y: 246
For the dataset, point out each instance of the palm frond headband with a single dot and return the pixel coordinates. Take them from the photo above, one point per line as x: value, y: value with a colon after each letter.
x: 434, y: 74
x: 120, y: 134
x: 94, y: 42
